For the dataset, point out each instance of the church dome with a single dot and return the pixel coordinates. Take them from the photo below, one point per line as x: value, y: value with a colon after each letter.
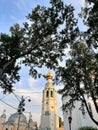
x: 3, y: 116
x: 14, y: 118
x: 49, y: 75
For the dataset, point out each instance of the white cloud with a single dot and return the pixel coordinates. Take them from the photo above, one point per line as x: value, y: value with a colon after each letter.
x: 32, y: 82
x: 81, y: 2
x: 20, y: 84
x: 76, y: 2
x: 12, y: 17
x: 20, y: 4
x: 29, y: 94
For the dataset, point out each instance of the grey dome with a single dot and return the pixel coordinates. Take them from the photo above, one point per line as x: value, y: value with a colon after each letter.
x: 3, y: 116
x: 14, y: 118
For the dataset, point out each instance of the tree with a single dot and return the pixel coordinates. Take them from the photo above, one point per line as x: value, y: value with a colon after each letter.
x: 82, y: 64
x: 87, y: 128
x: 80, y: 78
x: 40, y: 42
x: 89, y: 15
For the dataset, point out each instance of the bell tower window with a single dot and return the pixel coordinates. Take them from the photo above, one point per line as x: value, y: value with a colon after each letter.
x: 47, y: 94
x: 51, y: 93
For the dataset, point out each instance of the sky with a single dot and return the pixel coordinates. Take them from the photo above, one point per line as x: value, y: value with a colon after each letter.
x: 15, y: 11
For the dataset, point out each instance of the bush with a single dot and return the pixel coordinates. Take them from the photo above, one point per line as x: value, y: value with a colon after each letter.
x: 87, y: 128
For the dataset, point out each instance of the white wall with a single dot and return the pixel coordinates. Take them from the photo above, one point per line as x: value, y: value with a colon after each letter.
x: 78, y: 120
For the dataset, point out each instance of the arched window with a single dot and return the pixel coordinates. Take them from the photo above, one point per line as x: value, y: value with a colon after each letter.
x: 51, y: 93
x: 47, y: 94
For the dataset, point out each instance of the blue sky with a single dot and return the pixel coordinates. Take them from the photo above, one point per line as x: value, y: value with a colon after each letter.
x: 15, y: 11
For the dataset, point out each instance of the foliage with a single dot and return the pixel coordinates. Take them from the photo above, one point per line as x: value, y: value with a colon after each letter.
x: 90, y: 18
x: 40, y: 42
x: 80, y: 72
x: 80, y: 77
x: 87, y: 128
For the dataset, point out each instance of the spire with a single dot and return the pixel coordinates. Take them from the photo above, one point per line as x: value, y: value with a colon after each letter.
x: 49, y: 75
x: 3, y: 115
x: 30, y: 116
x: 49, y: 84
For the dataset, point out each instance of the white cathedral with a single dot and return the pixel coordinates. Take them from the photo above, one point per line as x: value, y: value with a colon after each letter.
x: 78, y: 119
x: 17, y: 121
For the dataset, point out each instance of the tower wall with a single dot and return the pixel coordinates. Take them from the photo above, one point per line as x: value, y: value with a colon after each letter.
x: 49, y: 117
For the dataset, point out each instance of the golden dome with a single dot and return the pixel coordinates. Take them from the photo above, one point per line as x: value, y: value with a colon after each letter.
x: 49, y: 75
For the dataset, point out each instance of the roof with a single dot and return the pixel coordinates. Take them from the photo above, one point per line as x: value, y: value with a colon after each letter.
x: 14, y: 118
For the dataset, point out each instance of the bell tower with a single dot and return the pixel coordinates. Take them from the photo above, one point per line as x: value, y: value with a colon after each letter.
x: 49, y: 117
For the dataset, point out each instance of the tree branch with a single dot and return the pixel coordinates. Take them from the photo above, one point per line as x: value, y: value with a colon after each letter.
x: 95, y: 121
